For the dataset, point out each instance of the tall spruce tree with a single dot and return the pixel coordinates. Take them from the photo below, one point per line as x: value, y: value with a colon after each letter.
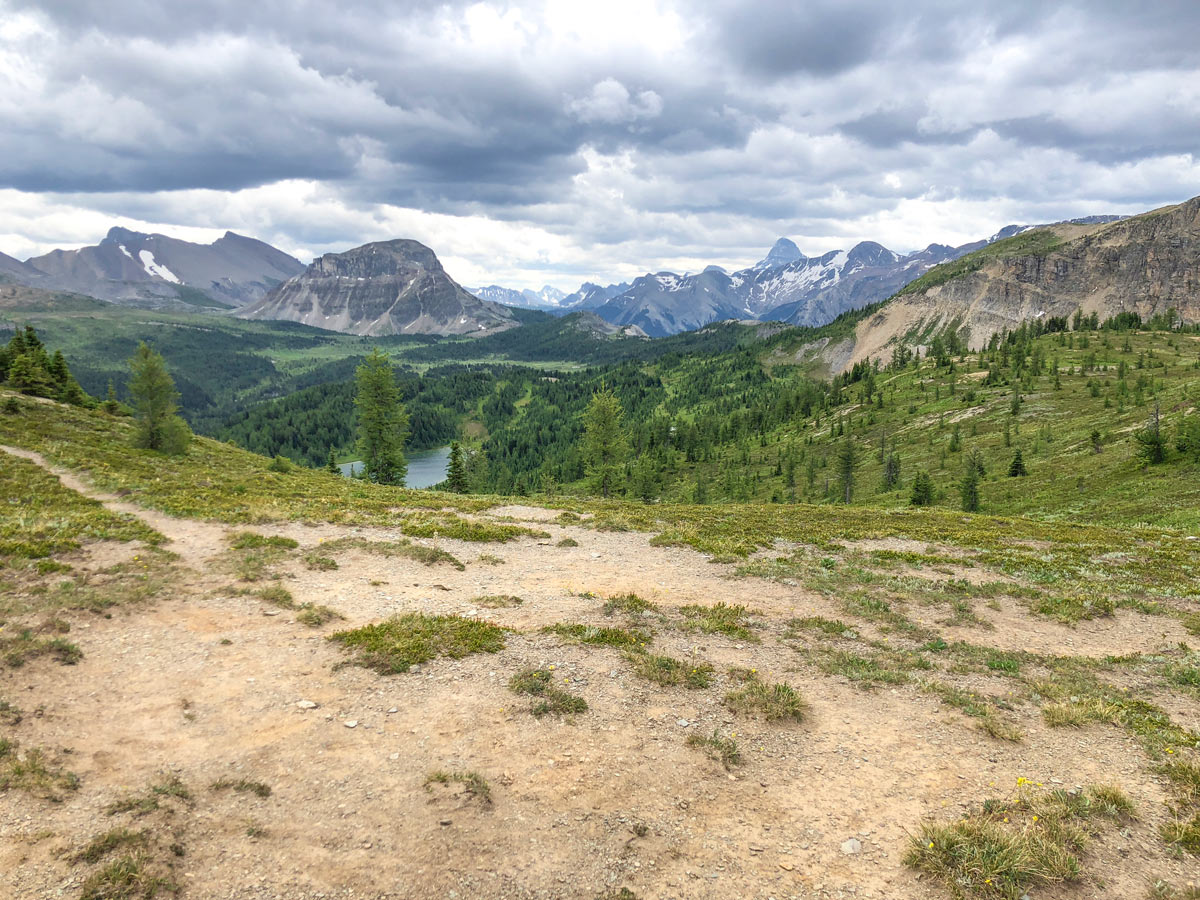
x: 1150, y: 441
x: 922, y: 490
x: 605, y: 442
x: 847, y: 464
x: 1017, y: 468
x: 968, y: 486
x: 456, y: 472
x: 155, y: 404
x: 382, y: 421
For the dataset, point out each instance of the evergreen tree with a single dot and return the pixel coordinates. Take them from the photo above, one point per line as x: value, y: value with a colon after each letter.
x: 922, y: 490
x: 1187, y: 440
x: 891, y: 471
x: 847, y: 463
x: 1097, y: 444
x: 155, y: 404
x: 700, y: 492
x: 1151, y: 442
x: 331, y: 465
x: 605, y: 442
x: 456, y: 472
x: 1017, y: 468
x: 382, y: 421
x: 111, y: 405
x: 28, y: 375
x: 968, y: 487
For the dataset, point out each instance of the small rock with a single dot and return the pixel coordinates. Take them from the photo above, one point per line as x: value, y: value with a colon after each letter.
x: 786, y: 866
x: 270, y: 612
x: 394, y: 756
x: 351, y: 723
x: 852, y: 846
x: 754, y: 848
x: 444, y: 822
x: 307, y: 704
x: 682, y: 723
x: 393, y: 710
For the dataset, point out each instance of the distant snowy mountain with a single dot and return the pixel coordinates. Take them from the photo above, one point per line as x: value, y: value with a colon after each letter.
x: 784, y: 286
x: 548, y: 298
x: 591, y: 296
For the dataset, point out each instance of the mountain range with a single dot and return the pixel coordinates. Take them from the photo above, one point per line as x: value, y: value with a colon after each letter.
x: 156, y: 270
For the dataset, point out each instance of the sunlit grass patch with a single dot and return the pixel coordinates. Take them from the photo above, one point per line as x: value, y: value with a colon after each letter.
x: 135, y: 876
x: 474, y: 785
x: 599, y: 635
x: 34, y: 771
x: 773, y: 702
x: 717, y: 747
x: 497, y: 601
x: 242, y: 786
x: 419, y: 552
x: 460, y: 529
x: 164, y: 786
x: 670, y: 672
x: 1183, y: 834
x: 549, y: 698
x: 318, y: 562
x: 1073, y: 608
x: 720, y: 618
x: 17, y: 649
x: 398, y: 643
x: 109, y: 842
x: 977, y: 706
x: 315, y: 615
x: 630, y: 604
x: 252, y: 540
x: 1006, y: 847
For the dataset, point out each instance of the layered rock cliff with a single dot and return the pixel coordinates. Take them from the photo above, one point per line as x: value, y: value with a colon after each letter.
x: 389, y: 287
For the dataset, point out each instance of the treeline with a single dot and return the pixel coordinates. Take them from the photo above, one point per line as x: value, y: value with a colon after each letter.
x: 307, y: 425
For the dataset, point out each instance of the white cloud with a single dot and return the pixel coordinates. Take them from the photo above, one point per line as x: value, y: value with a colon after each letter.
x: 610, y: 103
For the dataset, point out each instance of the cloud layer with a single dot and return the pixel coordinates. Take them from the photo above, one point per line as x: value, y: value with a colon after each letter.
x: 557, y: 141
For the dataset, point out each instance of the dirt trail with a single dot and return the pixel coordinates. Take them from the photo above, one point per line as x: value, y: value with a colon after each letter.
x: 206, y: 685
x: 195, y: 542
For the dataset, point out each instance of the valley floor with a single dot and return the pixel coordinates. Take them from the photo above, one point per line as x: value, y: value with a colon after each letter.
x: 207, y: 685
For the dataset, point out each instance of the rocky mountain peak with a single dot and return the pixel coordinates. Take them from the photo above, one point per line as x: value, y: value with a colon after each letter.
x: 783, y: 251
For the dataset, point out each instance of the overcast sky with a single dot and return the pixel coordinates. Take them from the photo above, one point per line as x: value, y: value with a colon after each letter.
x: 567, y: 140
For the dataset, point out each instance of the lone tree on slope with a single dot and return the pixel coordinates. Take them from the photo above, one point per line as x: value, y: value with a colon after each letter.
x: 155, y: 400
x: 382, y: 421
x: 605, y: 442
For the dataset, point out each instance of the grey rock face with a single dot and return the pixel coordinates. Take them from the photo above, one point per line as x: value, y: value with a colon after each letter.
x: 389, y: 287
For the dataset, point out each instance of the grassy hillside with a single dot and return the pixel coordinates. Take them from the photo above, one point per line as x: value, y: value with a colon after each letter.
x: 724, y: 429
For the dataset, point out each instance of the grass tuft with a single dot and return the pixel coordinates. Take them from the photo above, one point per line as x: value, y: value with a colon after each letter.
x: 775, y: 703
x: 1007, y: 847
x: 497, y: 601
x: 241, y: 786
x: 103, y: 844
x: 720, y: 749
x: 670, y: 672
x: 398, y: 643
x: 474, y: 784
x: 131, y: 877
x: 551, y: 699
x: 250, y: 540
x: 34, y: 773
x: 596, y: 635
x: 720, y: 618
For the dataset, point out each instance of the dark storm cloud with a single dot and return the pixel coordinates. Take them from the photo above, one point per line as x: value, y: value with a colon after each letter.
x: 718, y: 123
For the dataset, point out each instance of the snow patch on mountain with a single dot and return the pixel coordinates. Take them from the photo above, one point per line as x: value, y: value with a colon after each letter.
x: 154, y: 269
